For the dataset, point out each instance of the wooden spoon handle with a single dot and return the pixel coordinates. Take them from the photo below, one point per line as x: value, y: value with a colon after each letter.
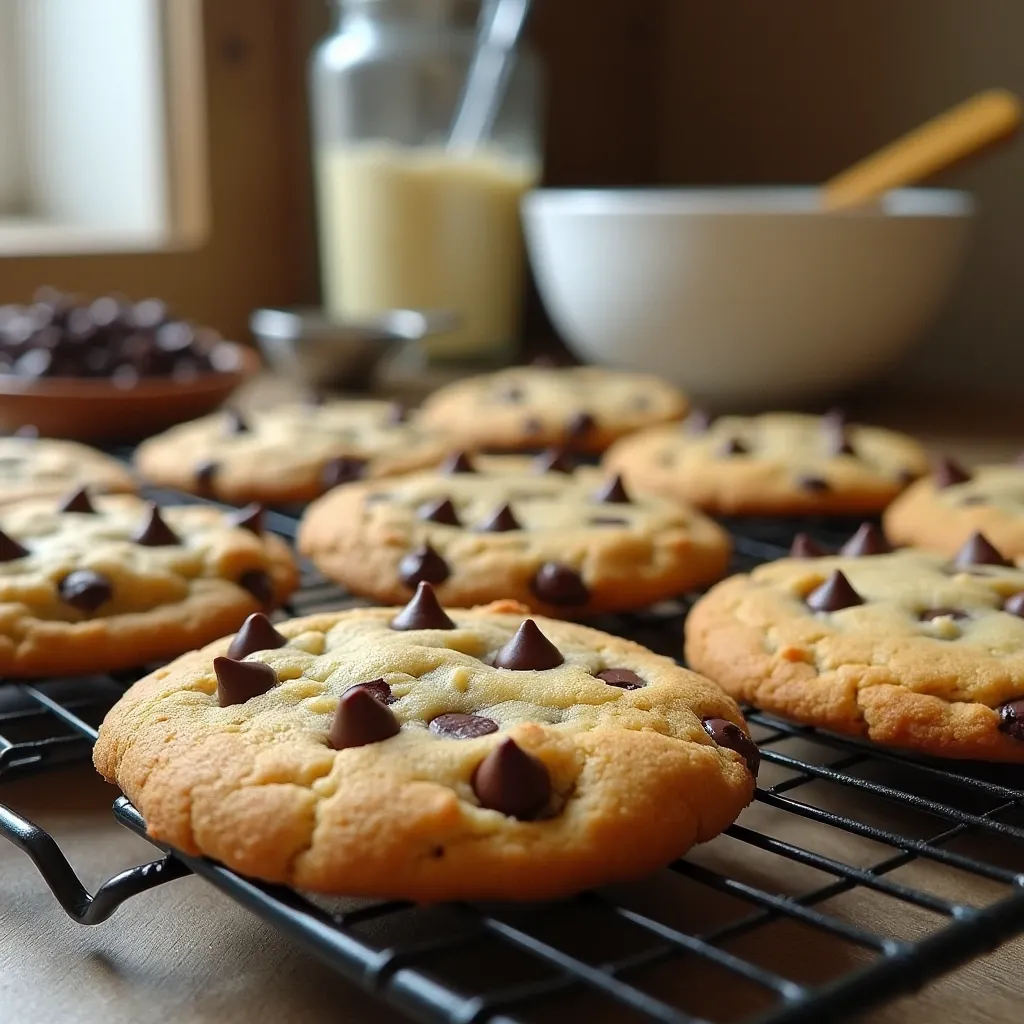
x: 959, y: 133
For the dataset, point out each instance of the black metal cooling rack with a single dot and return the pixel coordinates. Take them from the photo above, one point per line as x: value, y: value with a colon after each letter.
x: 874, y: 845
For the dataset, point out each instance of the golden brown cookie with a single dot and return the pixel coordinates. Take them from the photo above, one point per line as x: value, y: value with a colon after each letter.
x: 414, y: 753
x: 775, y: 464
x: 287, y: 453
x: 909, y: 649
x: 565, y: 542
x: 941, y: 511
x: 585, y: 408
x: 33, y: 467
x: 105, y: 582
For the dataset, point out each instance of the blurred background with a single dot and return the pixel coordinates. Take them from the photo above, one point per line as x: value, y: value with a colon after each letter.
x: 162, y: 148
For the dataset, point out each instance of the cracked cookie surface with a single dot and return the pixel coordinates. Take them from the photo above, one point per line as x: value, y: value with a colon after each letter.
x: 584, y: 408
x: 941, y: 511
x: 108, y: 585
x: 483, y: 756
x: 910, y: 648
x: 565, y: 542
x: 32, y: 467
x: 775, y: 464
x: 291, y: 452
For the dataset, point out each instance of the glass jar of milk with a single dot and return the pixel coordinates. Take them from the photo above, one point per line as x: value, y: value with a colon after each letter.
x: 402, y: 222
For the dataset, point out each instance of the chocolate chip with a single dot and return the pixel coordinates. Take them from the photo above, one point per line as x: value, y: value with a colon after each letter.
x: 513, y: 393
x: 698, y: 422
x: 532, y: 425
x: 947, y: 473
x: 249, y: 518
x: 557, y: 584
x: 345, y: 469
x: 424, y: 611
x: 10, y: 549
x: 579, y: 425
x: 834, y: 418
x: 939, y: 613
x: 205, y: 471
x: 78, y: 501
x: 625, y: 678
x: 85, y: 589
x: 502, y: 520
x: 441, y: 511
x: 804, y: 546
x: 732, y: 446
x: 234, y: 423
x: 513, y: 782
x: 396, y: 414
x: 377, y: 689
x: 613, y: 492
x: 361, y: 719
x: 1011, y: 719
x: 554, y: 460
x: 256, y: 634
x: 529, y: 650
x: 153, y: 532
x: 1014, y: 604
x: 868, y: 540
x: 813, y: 483
x: 975, y: 499
x: 462, y: 727
x: 607, y: 521
x: 640, y: 403
x: 728, y: 734
x: 833, y: 595
x: 259, y: 584
x: 424, y: 565
x: 907, y: 476
x: 239, y: 681
x: 457, y: 462
x: 977, y: 551
x: 837, y: 438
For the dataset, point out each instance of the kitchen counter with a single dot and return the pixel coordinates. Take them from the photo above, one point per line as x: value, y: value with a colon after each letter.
x: 185, y: 952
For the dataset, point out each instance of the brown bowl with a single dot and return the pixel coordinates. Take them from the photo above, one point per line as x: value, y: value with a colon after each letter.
x: 88, y: 409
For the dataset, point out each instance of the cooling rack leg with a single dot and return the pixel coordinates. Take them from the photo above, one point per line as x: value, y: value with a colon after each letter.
x: 81, y: 905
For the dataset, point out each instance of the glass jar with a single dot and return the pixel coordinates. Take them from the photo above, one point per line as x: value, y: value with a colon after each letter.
x: 402, y: 222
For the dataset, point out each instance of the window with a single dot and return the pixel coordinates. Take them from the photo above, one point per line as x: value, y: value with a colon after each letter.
x: 96, y: 153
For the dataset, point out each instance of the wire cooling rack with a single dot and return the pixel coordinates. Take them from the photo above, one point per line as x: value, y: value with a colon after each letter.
x: 891, y: 869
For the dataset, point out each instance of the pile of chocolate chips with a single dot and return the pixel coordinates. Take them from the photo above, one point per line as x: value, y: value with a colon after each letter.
x: 62, y: 336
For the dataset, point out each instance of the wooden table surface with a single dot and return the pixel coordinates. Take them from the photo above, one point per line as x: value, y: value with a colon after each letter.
x: 186, y: 953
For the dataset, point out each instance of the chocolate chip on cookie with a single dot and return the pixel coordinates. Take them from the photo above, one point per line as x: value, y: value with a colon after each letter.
x: 259, y: 584
x: 343, y: 470
x: 813, y: 483
x: 424, y: 611
x: 239, y: 681
x: 868, y: 540
x: 257, y: 634
x: 249, y: 518
x: 513, y: 782
x: 1011, y: 719
x: 85, y: 589
x: 361, y: 719
x: 554, y: 460
x: 805, y: 546
x: 10, y: 549
x: 947, y: 473
x: 377, y: 688
x: 977, y: 551
x: 457, y: 462
x: 579, y: 425
x: 625, y: 678
x: 462, y: 727
x: 559, y: 585
x: 502, y: 520
x: 440, y: 511
x: 613, y: 492
x: 729, y: 734
x: 732, y: 446
x: 205, y: 472
x: 424, y: 565
x: 234, y: 423
x: 1014, y: 604
x: 833, y: 595
x: 78, y: 501
x: 528, y: 651
x: 153, y: 532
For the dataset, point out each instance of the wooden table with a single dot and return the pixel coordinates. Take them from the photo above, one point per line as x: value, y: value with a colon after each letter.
x: 184, y: 952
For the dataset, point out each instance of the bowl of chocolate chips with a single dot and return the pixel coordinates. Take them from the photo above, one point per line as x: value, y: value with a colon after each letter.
x: 109, y: 369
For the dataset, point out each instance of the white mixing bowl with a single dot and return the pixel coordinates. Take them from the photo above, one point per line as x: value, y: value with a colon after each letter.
x: 744, y: 296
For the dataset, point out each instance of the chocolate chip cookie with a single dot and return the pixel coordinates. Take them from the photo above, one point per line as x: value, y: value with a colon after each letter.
x: 33, y: 467
x: 94, y: 583
x: 911, y: 649
x: 775, y: 464
x: 567, y: 542
x: 288, y: 453
x: 428, y: 754
x: 942, y: 510
x: 584, y: 408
